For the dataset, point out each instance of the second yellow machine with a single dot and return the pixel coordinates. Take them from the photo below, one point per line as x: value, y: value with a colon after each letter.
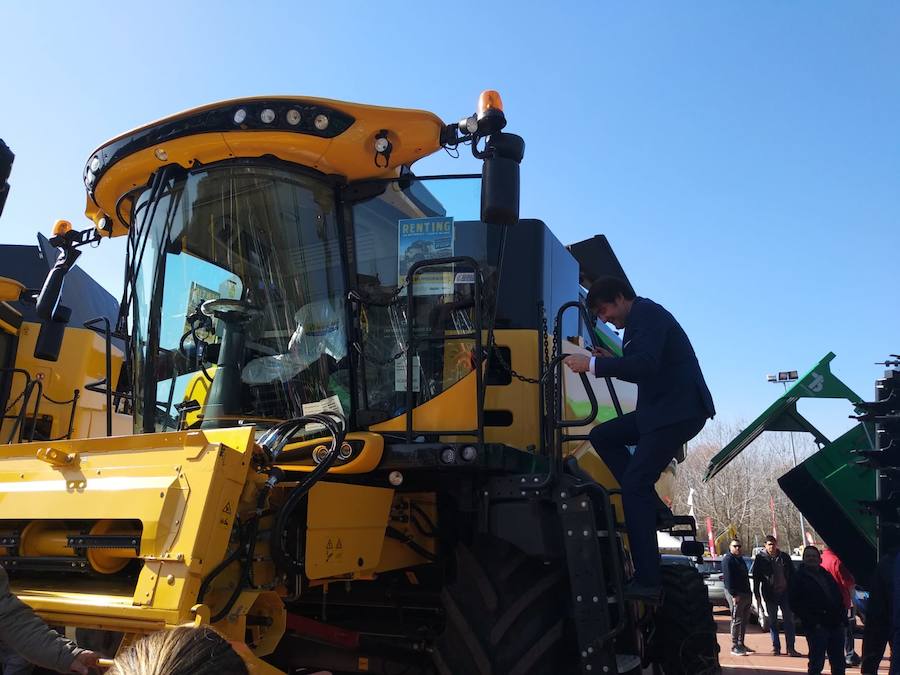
x: 355, y: 445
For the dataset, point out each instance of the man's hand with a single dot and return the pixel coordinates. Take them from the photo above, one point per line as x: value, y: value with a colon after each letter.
x: 85, y: 663
x: 602, y: 353
x: 578, y: 363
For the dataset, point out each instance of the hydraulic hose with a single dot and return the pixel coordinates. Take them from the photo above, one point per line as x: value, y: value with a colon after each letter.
x: 334, y: 423
x: 246, y: 545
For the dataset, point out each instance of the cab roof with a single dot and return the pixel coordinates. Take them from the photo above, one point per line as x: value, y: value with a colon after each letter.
x: 335, y: 138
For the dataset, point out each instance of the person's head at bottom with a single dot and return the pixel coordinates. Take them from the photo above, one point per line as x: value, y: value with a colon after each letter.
x: 185, y: 650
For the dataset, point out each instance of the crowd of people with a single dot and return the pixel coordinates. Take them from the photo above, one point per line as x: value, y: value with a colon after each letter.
x: 819, y: 592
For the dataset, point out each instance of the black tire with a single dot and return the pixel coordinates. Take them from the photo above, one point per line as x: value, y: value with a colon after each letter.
x: 684, y: 640
x: 506, y: 614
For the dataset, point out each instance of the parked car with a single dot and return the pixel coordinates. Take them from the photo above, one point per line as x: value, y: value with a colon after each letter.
x: 677, y: 559
x: 711, y: 569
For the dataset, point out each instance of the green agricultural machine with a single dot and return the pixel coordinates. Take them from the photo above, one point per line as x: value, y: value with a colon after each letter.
x: 848, y: 490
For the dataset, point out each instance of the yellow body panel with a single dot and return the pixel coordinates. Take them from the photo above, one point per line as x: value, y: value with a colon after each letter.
x: 413, y: 134
x: 183, y: 488
x: 10, y: 289
x: 518, y: 398
x: 197, y: 389
x: 453, y: 408
x: 81, y: 361
x: 345, y: 528
x: 366, y: 461
x: 5, y: 326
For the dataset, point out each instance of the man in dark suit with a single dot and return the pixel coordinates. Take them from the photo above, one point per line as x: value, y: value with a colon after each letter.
x: 672, y: 407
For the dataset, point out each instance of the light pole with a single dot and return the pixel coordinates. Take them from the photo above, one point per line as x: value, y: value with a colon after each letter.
x: 785, y: 377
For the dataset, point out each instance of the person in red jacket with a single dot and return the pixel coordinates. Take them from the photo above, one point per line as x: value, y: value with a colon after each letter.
x: 847, y: 584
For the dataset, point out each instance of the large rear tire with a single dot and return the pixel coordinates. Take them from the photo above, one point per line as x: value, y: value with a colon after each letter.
x: 684, y: 640
x: 505, y: 614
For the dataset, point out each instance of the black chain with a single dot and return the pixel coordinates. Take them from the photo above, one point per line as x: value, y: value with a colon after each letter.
x: 508, y: 368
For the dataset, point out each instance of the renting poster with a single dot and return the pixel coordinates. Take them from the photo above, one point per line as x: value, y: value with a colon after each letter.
x: 426, y: 239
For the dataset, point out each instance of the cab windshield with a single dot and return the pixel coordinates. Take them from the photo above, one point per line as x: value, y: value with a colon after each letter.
x: 239, y: 265
x: 250, y: 306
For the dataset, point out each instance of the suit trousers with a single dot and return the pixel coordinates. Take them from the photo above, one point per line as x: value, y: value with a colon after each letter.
x: 637, y: 475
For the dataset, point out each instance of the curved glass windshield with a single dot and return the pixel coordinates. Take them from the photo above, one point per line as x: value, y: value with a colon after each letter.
x: 239, y: 308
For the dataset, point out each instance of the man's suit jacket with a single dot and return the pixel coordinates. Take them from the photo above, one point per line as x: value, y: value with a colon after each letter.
x: 658, y: 357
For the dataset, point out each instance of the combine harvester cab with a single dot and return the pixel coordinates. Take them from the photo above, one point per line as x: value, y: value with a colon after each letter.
x: 355, y: 444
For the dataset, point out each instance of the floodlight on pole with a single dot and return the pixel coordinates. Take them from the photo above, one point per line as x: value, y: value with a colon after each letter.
x: 784, y: 377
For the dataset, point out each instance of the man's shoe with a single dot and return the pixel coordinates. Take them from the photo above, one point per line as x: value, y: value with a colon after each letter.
x: 635, y: 590
x: 853, y: 660
x: 776, y: 651
x: 748, y: 650
x: 738, y: 650
x: 793, y: 652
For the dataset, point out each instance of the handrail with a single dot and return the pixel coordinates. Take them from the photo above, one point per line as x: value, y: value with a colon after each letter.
x: 557, y: 402
x: 94, y: 386
x: 614, y: 397
x: 411, y: 341
x: 27, y: 389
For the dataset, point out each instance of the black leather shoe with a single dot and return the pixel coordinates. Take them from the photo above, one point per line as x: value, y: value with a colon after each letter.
x: 652, y: 595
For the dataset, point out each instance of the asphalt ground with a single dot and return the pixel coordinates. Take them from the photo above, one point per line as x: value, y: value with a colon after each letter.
x: 763, y: 661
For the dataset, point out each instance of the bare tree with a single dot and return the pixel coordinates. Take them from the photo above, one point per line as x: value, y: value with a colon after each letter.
x: 744, y: 493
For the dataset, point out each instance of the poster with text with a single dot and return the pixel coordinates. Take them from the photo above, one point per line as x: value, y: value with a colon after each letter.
x: 425, y: 239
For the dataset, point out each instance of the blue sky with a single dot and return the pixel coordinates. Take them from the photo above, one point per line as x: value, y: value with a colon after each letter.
x: 742, y: 158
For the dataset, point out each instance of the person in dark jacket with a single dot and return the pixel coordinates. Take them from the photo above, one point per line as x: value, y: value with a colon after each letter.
x: 772, y: 570
x: 24, y: 632
x: 673, y: 405
x: 881, y: 624
x: 736, y: 580
x: 816, y: 599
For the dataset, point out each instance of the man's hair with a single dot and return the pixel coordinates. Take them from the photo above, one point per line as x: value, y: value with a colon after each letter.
x: 181, y: 651
x: 814, y: 548
x: 607, y: 289
x: 735, y: 541
x: 771, y: 538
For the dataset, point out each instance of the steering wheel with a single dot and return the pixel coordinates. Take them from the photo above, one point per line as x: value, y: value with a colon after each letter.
x: 229, y: 310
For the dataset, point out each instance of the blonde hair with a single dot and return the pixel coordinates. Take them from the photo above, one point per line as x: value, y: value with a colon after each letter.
x: 181, y: 651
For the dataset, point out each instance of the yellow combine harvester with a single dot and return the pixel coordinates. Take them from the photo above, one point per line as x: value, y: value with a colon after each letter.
x: 355, y: 445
